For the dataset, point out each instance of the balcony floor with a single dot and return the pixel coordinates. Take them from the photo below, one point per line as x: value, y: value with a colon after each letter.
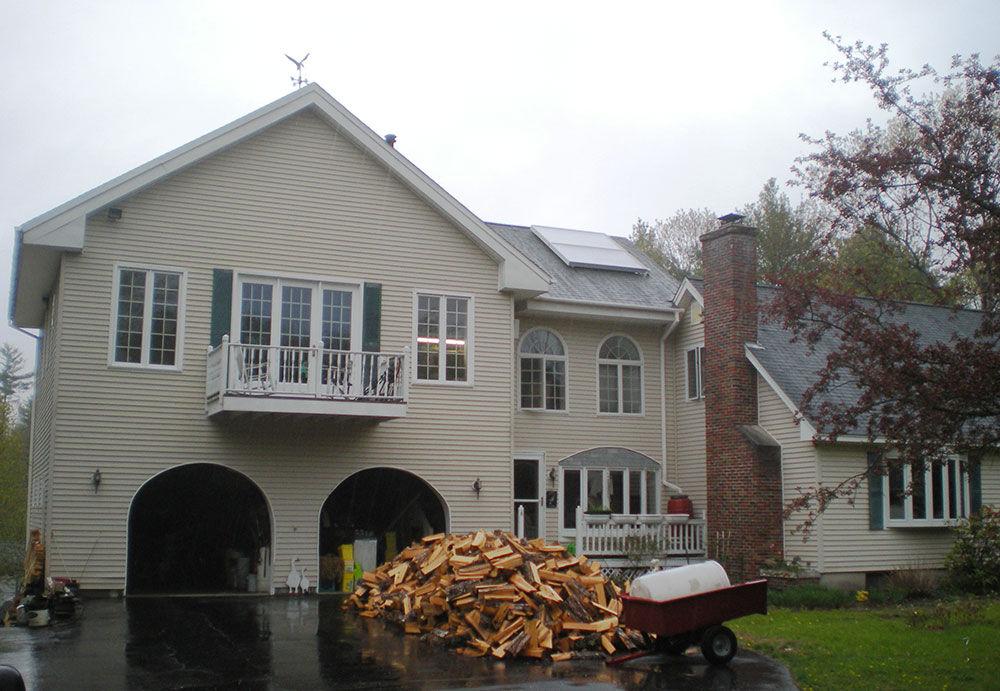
x: 284, y: 404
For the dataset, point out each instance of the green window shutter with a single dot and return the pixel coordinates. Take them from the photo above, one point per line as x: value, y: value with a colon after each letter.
x: 876, y: 500
x: 975, y: 486
x: 371, y: 325
x: 222, y: 305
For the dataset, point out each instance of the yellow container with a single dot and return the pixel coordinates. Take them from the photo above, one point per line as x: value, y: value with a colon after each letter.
x: 347, y: 554
x: 348, y: 584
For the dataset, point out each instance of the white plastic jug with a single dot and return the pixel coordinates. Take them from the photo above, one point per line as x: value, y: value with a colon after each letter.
x: 680, y: 581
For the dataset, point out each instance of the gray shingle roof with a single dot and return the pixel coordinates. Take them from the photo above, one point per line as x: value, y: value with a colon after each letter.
x: 794, y: 368
x: 655, y: 290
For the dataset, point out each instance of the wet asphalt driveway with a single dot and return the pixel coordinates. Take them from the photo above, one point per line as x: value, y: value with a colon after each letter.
x: 302, y: 643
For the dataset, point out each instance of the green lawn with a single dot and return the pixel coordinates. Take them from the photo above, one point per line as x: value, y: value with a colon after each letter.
x: 953, y: 646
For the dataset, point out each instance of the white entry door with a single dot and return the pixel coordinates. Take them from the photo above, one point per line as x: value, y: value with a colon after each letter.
x: 528, y: 495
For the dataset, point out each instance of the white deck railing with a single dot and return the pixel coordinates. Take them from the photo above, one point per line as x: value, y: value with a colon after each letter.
x: 639, y: 537
x: 253, y: 370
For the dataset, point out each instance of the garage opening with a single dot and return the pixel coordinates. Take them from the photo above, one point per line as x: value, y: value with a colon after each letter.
x: 199, y: 528
x: 369, y: 518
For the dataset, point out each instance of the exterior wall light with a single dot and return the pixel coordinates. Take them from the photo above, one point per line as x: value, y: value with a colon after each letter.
x: 477, y: 487
x: 95, y: 479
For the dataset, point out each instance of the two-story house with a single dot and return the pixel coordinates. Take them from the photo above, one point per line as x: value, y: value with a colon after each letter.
x: 283, y: 337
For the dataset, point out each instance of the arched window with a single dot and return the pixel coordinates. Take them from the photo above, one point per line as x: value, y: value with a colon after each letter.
x: 542, y: 358
x: 619, y: 376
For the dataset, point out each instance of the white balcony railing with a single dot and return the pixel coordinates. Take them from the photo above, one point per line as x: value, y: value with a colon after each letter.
x: 639, y: 537
x: 236, y: 369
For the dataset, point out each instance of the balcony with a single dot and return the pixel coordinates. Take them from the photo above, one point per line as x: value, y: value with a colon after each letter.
x: 632, y: 539
x: 304, y: 381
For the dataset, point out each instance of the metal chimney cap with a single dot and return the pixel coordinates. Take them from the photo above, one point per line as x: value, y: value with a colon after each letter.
x: 390, y: 139
x: 731, y: 218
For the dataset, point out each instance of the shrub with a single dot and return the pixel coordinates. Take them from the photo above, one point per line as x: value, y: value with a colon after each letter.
x: 913, y: 582
x: 941, y: 615
x: 974, y: 561
x: 809, y: 596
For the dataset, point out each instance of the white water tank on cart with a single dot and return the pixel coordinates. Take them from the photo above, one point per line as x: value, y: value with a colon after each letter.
x: 680, y: 581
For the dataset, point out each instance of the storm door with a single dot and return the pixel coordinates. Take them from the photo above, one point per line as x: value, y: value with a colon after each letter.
x: 527, y: 497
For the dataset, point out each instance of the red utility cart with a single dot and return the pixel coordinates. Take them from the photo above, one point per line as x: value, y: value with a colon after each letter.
x: 696, y: 619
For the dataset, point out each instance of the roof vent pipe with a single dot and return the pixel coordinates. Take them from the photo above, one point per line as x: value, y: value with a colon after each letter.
x: 390, y: 139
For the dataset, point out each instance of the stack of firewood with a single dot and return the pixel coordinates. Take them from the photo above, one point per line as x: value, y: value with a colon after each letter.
x: 494, y: 594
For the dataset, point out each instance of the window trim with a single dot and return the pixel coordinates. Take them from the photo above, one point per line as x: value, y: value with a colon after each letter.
x: 564, y: 358
x: 150, y: 269
x: 699, y: 371
x: 278, y: 281
x: 565, y: 532
x: 470, y: 344
x: 642, y: 377
x: 908, y: 521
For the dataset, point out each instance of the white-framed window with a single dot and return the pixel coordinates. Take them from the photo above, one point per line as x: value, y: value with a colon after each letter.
x: 291, y: 316
x: 542, y: 371
x: 619, y: 377
x: 694, y: 368
x: 935, y: 496
x: 148, y: 322
x: 603, y: 489
x: 443, y: 336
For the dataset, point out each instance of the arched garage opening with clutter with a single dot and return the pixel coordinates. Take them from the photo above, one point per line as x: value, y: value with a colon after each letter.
x: 369, y: 518
x: 199, y: 528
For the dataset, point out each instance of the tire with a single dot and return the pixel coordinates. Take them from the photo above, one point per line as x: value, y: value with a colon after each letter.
x: 718, y: 645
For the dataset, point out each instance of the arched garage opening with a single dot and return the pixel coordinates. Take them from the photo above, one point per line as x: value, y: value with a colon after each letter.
x: 372, y: 515
x: 199, y: 528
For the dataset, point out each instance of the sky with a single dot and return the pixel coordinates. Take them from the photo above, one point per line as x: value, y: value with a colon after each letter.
x: 569, y: 114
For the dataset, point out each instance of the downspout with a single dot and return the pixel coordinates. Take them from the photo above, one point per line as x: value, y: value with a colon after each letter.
x: 669, y: 329
x: 26, y: 333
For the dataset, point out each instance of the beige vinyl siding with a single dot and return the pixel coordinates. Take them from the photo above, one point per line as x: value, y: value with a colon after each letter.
x: 685, y: 419
x: 559, y: 434
x: 297, y: 199
x: 849, y: 546
x: 799, y: 469
x: 991, y: 481
x: 42, y: 417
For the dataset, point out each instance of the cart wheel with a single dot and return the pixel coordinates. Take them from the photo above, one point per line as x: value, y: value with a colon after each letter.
x: 718, y: 645
x: 672, y: 646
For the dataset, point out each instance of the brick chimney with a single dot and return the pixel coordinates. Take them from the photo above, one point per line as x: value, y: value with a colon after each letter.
x: 744, y: 488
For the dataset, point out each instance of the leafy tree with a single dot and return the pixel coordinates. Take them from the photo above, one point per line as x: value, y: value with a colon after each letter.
x: 13, y: 380
x: 868, y: 262
x: 786, y: 234
x: 13, y: 476
x: 14, y: 435
x: 926, y: 185
x: 673, y: 242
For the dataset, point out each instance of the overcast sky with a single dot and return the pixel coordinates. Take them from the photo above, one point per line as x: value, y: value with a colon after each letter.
x: 574, y: 115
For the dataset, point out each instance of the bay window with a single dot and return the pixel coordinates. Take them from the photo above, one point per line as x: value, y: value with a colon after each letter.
x: 934, y: 495
x: 627, y: 491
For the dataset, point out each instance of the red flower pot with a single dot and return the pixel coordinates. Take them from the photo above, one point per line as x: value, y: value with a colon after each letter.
x: 680, y: 504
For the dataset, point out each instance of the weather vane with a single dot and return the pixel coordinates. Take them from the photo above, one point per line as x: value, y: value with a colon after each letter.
x: 299, y: 81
